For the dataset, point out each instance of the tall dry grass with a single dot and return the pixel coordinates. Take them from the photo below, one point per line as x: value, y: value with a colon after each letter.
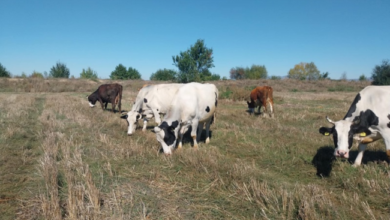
x: 80, y: 164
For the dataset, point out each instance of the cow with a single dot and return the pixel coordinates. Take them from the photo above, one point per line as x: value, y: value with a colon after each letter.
x: 193, y: 106
x: 151, y: 101
x: 107, y: 93
x: 259, y: 97
x: 367, y: 120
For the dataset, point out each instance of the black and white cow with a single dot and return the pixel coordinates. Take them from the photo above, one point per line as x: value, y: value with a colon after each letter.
x: 193, y: 105
x: 367, y: 120
x: 151, y: 101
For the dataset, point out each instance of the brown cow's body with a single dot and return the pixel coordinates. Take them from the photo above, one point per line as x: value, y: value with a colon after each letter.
x: 259, y: 97
x: 107, y: 93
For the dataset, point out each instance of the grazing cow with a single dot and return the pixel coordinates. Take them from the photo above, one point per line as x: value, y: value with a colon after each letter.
x: 151, y: 101
x: 259, y: 97
x: 193, y: 105
x: 367, y: 120
x: 107, y: 93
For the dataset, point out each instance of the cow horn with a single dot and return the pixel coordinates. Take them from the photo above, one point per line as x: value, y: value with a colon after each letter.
x: 330, y: 120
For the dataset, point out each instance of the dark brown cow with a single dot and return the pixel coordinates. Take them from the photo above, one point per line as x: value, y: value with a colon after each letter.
x: 107, y: 93
x: 259, y: 97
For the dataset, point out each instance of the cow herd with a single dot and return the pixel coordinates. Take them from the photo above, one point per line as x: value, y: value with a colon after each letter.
x: 193, y: 105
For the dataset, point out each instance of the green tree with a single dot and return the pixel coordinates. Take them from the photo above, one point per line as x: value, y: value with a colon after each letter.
x: 36, y: 74
x: 193, y: 62
x: 59, y: 71
x: 304, y: 71
x: 362, y: 77
x: 133, y: 73
x: 381, y: 74
x: 4, y: 72
x: 88, y: 74
x: 256, y: 72
x: 120, y: 72
x: 324, y: 75
x: 237, y: 73
x: 164, y: 75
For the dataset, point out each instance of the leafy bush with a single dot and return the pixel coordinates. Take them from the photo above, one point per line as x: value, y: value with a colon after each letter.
x: 88, y: 74
x: 4, y: 72
x: 59, y: 71
x: 381, y: 74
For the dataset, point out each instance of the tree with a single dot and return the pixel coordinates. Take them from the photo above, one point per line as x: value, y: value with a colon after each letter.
x: 88, y: 74
x: 304, y: 71
x: 192, y: 62
x: 237, y: 73
x: 362, y: 78
x: 4, y: 72
x: 36, y: 74
x: 59, y: 71
x: 324, y: 75
x: 164, y: 75
x: 256, y: 72
x: 120, y: 72
x: 133, y: 73
x: 381, y: 74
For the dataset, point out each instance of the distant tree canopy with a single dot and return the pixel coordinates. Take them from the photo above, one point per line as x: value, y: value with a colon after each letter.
x: 36, y: 74
x: 164, y: 75
x: 254, y: 72
x: 194, y: 63
x: 59, y: 71
x: 4, y: 72
x: 88, y: 74
x: 381, y: 74
x: 304, y: 71
x: 120, y: 72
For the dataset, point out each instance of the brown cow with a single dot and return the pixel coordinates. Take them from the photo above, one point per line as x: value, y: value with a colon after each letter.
x: 107, y: 93
x: 259, y: 97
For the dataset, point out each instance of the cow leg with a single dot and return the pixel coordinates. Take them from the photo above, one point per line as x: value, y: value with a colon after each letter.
x: 145, y: 124
x: 361, y: 149
x: 207, y: 132
x: 386, y: 138
x: 199, y: 132
x: 194, y: 126
x: 264, y: 103
x: 271, y: 106
x: 182, y: 131
x: 105, y: 105
x: 101, y: 103
x: 156, y: 114
x: 113, y: 106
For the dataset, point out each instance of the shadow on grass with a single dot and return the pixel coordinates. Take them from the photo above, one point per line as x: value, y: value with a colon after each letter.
x: 324, y: 158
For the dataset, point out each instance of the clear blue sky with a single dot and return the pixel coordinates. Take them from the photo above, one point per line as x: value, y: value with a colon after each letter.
x: 339, y: 36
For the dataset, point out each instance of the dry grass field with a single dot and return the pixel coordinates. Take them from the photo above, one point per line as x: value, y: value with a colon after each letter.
x: 61, y: 159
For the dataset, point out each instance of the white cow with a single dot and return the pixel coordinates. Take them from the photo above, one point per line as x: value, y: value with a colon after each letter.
x: 367, y: 120
x: 194, y: 105
x: 151, y: 101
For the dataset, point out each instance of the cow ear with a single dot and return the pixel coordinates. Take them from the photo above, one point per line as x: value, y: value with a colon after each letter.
x: 138, y: 117
x: 124, y: 116
x: 326, y: 131
x: 174, y: 124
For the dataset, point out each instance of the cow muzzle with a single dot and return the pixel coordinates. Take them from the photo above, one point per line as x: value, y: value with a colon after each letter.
x: 342, y: 154
x: 91, y: 105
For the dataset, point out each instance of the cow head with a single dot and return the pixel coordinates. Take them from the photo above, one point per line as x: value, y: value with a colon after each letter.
x: 92, y: 100
x: 344, y: 132
x: 167, y: 135
x: 132, y: 119
x: 251, y: 106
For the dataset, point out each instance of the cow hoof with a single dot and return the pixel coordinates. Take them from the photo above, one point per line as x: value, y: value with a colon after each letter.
x: 207, y: 140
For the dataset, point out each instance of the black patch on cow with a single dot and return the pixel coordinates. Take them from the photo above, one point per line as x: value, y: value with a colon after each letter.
x: 145, y: 100
x: 352, y: 109
x: 140, y: 110
x: 388, y: 124
x: 207, y: 109
x: 157, y: 109
x: 216, y: 100
x: 362, y: 122
x: 169, y: 134
x: 124, y: 116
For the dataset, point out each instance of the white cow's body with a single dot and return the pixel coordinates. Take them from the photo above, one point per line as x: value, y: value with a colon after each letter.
x: 367, y: 120
x: 193, y: 105
x: 151, y: 101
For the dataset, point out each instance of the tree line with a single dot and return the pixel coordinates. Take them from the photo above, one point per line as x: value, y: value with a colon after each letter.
x: 194, y: 64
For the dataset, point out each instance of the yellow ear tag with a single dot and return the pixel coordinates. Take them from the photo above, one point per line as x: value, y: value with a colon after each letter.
x: 363, y: 134
x: 326, y: 133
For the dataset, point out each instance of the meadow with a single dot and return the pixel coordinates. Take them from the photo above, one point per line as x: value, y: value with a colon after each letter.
x: 61, y: 159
